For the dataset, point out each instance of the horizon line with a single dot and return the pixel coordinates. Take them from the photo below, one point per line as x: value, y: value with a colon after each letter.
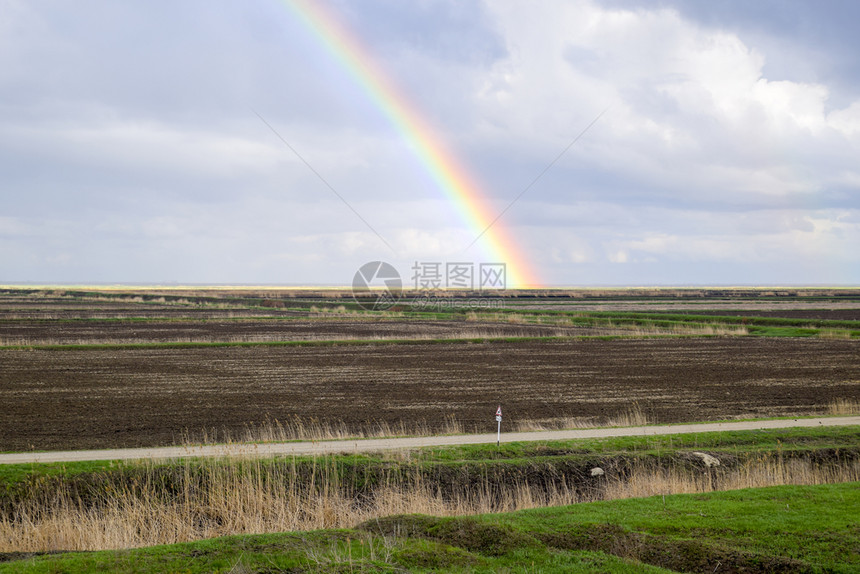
x: 337, y: 286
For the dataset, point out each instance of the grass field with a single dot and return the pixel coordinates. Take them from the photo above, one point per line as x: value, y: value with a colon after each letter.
x: 776, y: 529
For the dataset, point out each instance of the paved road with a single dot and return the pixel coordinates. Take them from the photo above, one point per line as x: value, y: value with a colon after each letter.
x: 351, y: 446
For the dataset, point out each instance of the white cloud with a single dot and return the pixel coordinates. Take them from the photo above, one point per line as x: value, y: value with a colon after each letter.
x: 618, y: 256
x: 12, y: 226
x: 847, y: 120
x: 146, y: 144
x: 689, y: 106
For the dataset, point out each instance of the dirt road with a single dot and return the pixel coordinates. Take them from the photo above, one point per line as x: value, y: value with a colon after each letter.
x: 369, y: 445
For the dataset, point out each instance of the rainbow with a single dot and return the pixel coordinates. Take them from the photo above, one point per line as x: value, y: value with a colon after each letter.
x: 451, y: 177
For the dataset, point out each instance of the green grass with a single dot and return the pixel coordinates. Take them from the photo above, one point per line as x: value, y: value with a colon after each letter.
x: 788, y: 528
x: 727, y: 319
x: 814, y: 524
x: 752, y: 441
x: 323, y: 551
x: 767, y: 326
x: 11, y: 474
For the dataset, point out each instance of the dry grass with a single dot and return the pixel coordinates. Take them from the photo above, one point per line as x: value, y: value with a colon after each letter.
x: 834, y: 334
x: 240, y: 496
x: 633, y: 416
x: 712, y: 329
x: 695, y: 329
x: 313, y: 429
x: 559, y: 423
x: 339, y: 310
x: 766, y: 471
x: 844, y: 407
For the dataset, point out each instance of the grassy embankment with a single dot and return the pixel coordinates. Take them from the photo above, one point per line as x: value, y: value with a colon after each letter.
x: 120, y: 505
x: 777, y: 529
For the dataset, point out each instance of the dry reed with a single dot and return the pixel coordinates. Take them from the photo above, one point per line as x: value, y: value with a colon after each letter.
x: 843, y: 407
x: 633, y: 416
x: 762, y: 472
x: 558, y: 423
x: 834, y: 334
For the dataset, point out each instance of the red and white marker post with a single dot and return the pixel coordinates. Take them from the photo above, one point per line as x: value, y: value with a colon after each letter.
x: 499, y: 428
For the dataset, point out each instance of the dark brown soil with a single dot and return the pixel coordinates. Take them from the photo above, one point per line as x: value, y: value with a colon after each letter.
x: 65, y: 399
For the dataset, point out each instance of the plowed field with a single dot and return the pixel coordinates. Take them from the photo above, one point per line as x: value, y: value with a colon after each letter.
x: 65, y: 399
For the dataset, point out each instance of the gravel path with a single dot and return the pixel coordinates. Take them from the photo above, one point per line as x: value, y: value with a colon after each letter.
x: 370, y: 445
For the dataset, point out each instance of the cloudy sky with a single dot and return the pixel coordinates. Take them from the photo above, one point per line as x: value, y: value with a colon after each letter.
x: 131, y: 150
